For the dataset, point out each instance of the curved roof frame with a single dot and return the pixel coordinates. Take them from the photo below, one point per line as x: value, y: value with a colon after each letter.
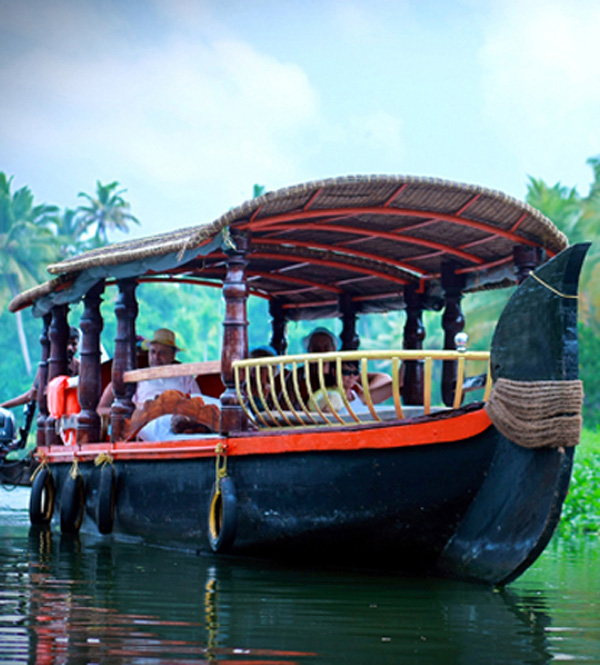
x: 363, y: 235
x: 273, y: 222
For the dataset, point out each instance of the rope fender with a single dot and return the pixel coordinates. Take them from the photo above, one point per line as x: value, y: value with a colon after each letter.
x: 536, y: 414
x: 105, y: 508
x: 222, y: 511
x: 41, y: 499
x: 72, y: 500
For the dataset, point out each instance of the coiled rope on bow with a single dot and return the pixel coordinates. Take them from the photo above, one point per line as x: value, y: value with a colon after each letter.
x: 536, y: 414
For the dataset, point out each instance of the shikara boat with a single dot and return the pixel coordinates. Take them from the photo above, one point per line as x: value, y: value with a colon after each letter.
x: 423, y: 483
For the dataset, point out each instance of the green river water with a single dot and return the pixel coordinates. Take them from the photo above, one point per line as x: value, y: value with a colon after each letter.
x: 92, y: 600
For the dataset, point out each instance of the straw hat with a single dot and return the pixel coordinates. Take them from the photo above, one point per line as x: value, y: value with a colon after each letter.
x: 162, y: 336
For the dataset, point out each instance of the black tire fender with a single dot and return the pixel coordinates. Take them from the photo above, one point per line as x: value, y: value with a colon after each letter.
x: 41, y: 499
x: 105, y: 510
x: 72, y: 500
x: 222, y: 515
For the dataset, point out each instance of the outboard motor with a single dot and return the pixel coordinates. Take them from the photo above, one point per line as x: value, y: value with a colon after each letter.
x: 7, y: 429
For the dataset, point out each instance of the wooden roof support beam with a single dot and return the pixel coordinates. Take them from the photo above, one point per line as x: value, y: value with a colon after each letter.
x: 453, y: 322
x: 333, y: 251
x: 58, y: 362
x: 43, y: 381
x: 386, y: 235
x: 125, y: 358
x: 350, y: 267
x: 397, y: 212
x: 90, y: 381
x: 235, y: 332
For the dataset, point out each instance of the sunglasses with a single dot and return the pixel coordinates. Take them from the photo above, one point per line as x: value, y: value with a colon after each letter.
x: 350, y: 372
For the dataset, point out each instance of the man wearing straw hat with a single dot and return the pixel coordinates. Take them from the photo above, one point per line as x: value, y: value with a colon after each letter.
x: 162, y: 348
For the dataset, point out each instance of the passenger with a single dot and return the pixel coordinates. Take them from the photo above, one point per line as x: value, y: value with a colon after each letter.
x: 320, y: 340
x: 251, y: 383
x: 351, y: 384
x: 380, y: 389
x: 162, y: 349
x: 380, y: 385
x: 72, y: 345
x: 72, y: 370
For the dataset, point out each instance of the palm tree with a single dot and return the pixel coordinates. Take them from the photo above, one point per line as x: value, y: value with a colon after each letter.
x: 107, y: 210
x: 560, y: 204
x: 69, y: 234
x: 579, y: 218
x: 27, y: 245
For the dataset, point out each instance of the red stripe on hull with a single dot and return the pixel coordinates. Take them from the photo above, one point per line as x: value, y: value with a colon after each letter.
x: 443, y: 430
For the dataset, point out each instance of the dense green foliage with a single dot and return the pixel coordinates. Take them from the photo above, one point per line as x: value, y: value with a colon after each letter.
x: 578, y: 217
x: 26, y: 245
x: 581, y: 511
x: 33, y: 236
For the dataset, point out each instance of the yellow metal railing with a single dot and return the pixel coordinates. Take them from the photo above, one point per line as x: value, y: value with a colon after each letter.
x: 285, y: 398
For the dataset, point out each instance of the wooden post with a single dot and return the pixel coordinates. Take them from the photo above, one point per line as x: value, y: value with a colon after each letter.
x: 526, y: 259
x: 90, y: 378
x: 235, y: 333
x: 58, y: 363
x: 453, y: 322
x: 42, y: 378
x: 350, y: 340
x: 278, y: 326
x: 414, y: 334
x: 125, y: 359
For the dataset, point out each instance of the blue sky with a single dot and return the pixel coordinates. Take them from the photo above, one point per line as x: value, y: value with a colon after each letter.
x: 189, y: 103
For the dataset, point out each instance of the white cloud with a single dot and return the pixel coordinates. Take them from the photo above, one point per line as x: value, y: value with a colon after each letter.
x: 544, y: 51
x: 194, y: 110
x: 540, y: 86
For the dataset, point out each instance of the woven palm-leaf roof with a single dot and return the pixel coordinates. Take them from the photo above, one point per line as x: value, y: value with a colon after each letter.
x: 366, y: 237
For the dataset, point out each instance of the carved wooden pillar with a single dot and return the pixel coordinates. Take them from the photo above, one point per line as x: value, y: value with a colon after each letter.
x: 235, y: 334
x: 278, y: 326
x: 526, y: 259
x: 58, y: 363
x: 90, y: 377
x: 125, y: 359
x: 453, y: 322
x: 350, y: 340
x: 414, y: 334
x: 42, y: 381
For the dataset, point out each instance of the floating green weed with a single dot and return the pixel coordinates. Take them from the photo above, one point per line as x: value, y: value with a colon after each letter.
x: 581, y: 510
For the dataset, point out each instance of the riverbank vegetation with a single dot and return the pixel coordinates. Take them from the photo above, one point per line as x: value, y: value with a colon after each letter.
x: 581, y: 510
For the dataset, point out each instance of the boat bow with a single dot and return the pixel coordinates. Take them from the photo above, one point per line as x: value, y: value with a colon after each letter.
x: 518, y: 506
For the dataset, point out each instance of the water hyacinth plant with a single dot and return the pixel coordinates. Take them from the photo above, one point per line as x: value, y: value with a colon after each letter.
x: 581, y: 510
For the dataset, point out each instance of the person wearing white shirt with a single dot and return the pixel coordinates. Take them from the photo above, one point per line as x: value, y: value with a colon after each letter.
x: 162, y: 349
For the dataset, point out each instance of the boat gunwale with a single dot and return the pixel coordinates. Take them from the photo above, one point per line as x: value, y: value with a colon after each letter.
x: 421, y: 431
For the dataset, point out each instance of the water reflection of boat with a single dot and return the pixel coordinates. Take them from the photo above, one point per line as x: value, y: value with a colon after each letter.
x: 472, y: 491
x: 91, y: 601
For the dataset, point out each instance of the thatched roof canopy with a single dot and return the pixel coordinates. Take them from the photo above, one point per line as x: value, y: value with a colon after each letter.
x: 364, y: 236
